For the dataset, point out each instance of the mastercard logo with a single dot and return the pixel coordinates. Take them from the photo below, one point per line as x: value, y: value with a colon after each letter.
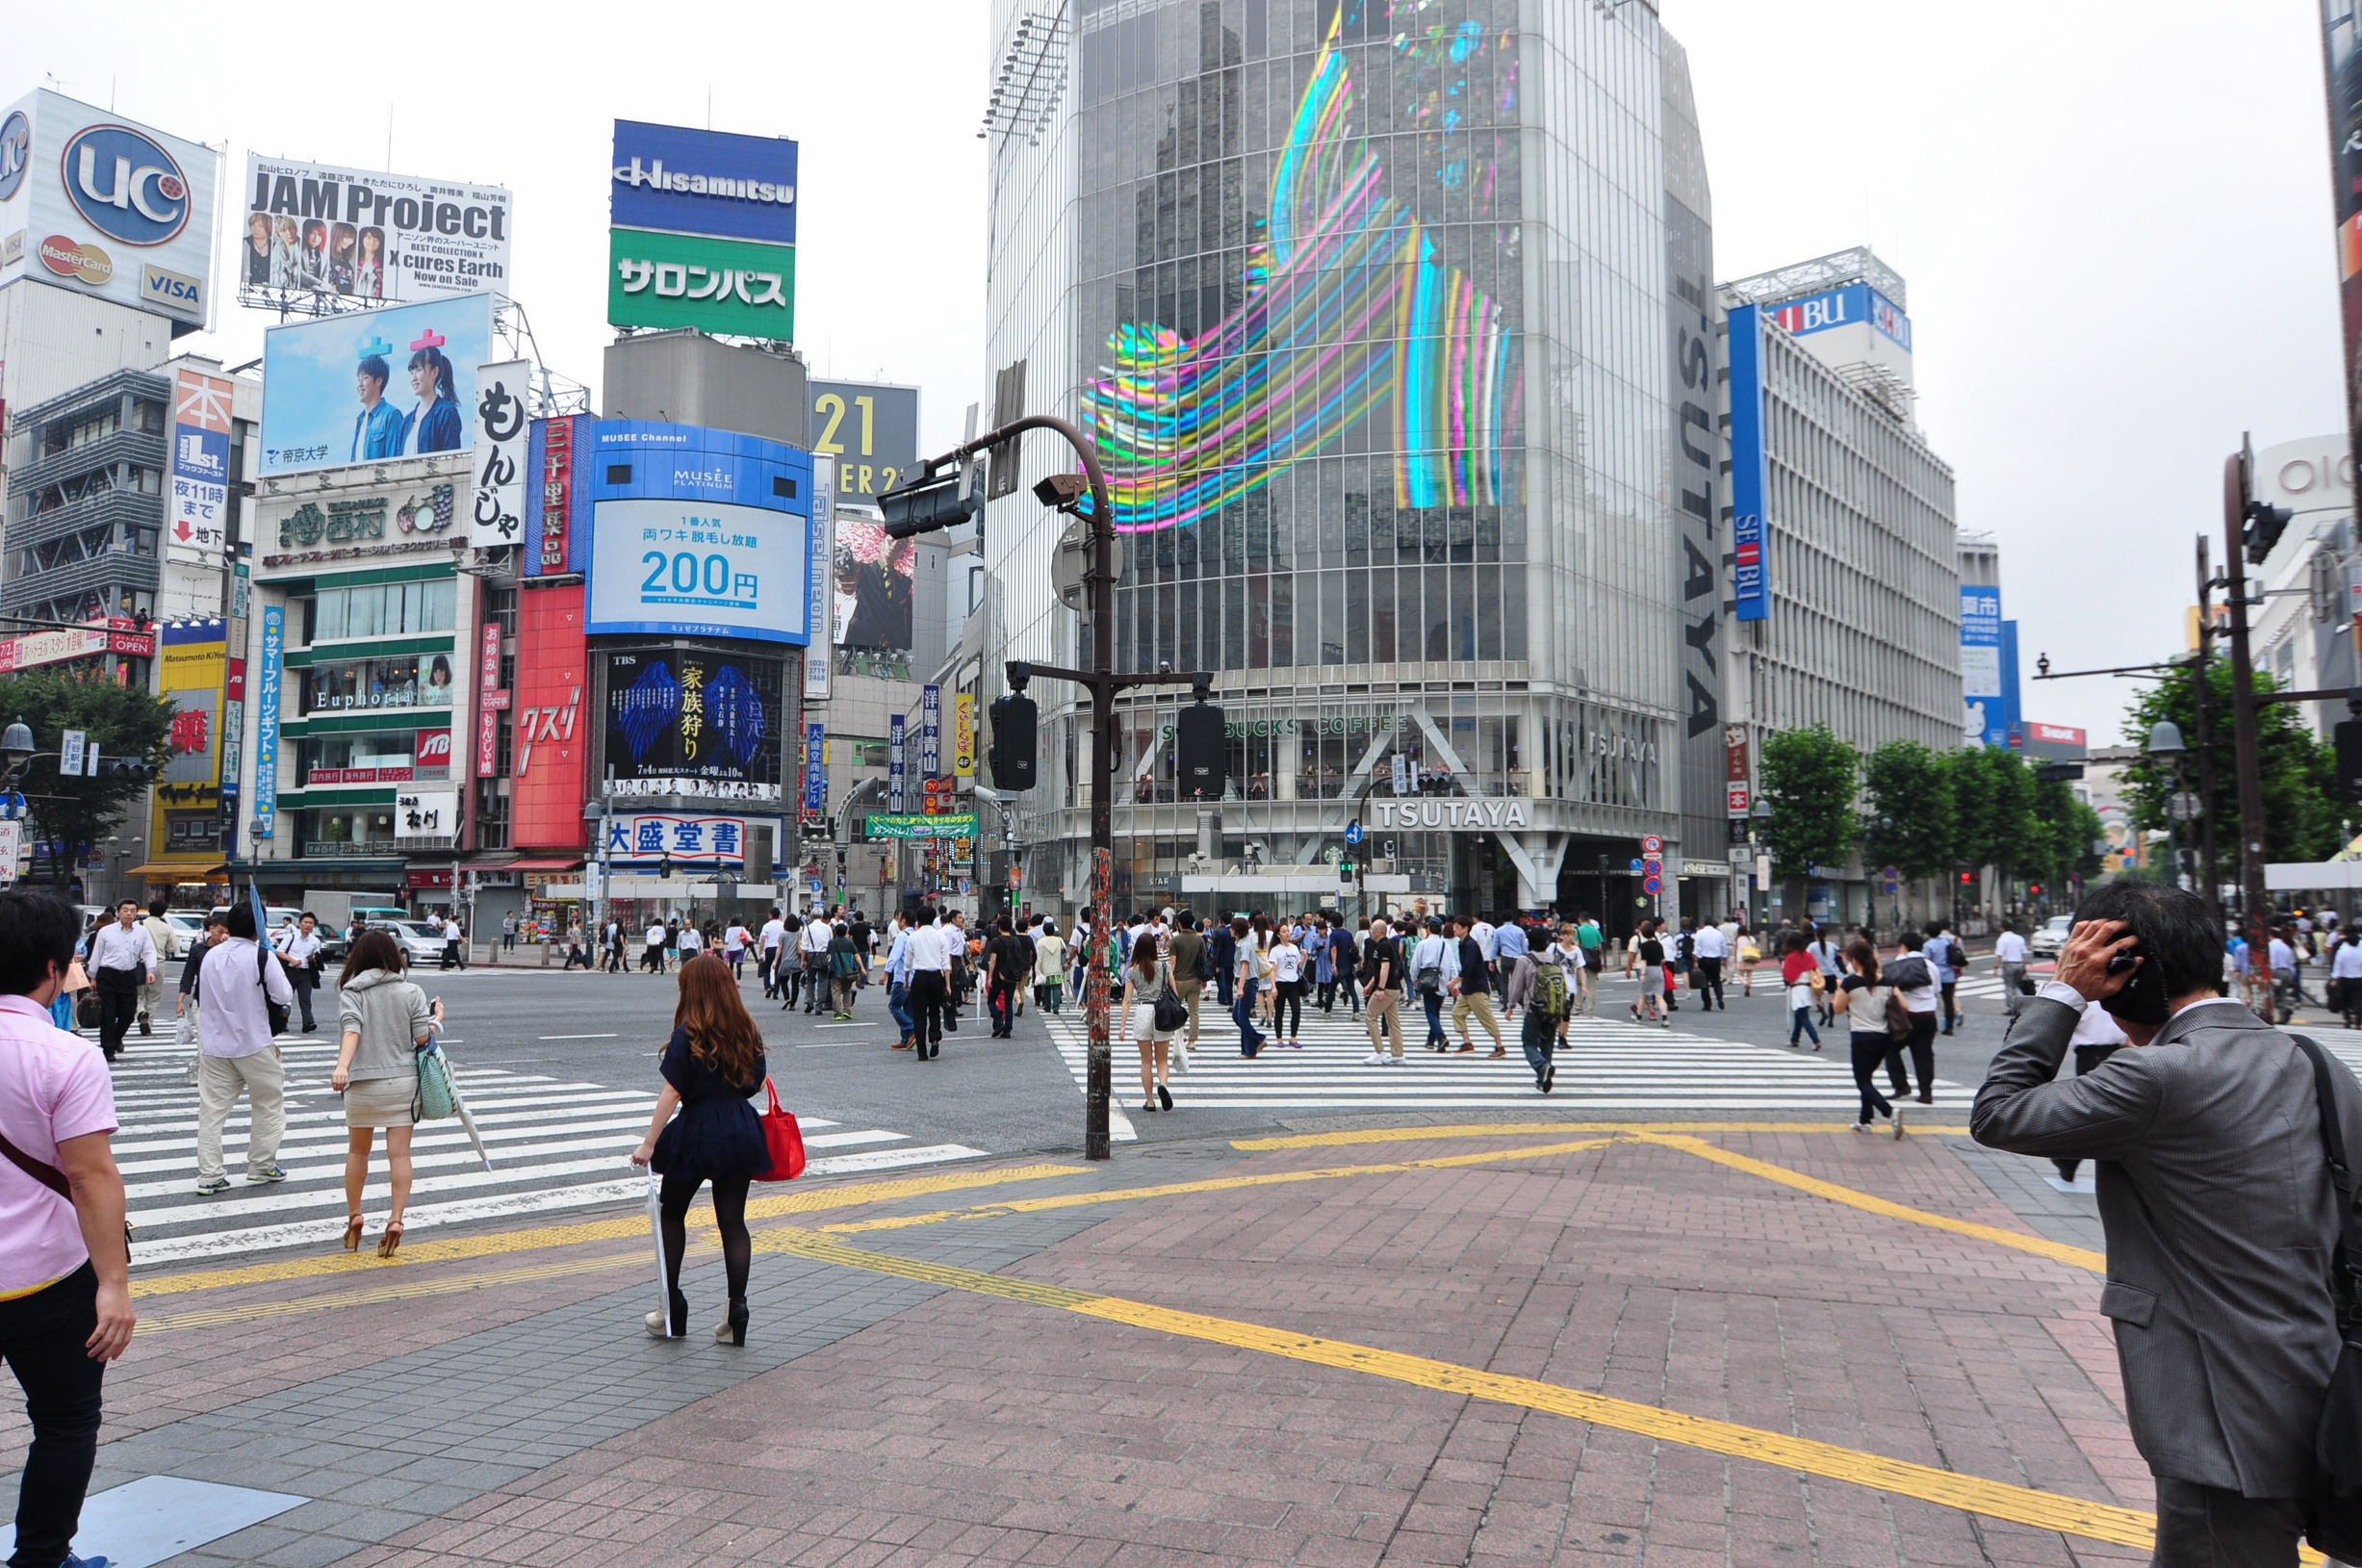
x: 68, y: 258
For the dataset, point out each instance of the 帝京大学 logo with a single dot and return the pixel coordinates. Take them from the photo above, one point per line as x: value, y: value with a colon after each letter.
x: 126, y: 186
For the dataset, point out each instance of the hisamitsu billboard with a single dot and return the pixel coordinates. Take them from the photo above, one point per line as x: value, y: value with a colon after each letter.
x: 716, y: 183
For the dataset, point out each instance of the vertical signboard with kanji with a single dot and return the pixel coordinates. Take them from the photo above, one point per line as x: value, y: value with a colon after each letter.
x: 266, y: 721
x: 897, y: 763
x: 195, y: 524
x: 557, y: 491
x: 490, y: 700
x: 964, y: 735
x: 1749, y: 469
x: 1737, y: 774
x: 502, y: 391
x: 930, y: 731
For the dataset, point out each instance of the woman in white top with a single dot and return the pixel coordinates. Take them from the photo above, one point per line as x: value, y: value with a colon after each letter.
x: 1144, y: 982
x: 1287, y: 991
x: 734, y: 948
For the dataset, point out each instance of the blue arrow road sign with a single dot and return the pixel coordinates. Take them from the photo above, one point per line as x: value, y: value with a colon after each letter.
x: 1635, y: 868
x: 1353, y: 833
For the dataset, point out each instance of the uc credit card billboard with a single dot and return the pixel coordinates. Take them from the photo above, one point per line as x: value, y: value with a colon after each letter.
x: 698, y: 533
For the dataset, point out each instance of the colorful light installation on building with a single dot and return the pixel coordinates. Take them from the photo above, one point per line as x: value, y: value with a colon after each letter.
x: 1349, y: 315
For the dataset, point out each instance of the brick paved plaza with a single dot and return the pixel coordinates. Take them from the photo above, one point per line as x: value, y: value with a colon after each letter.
x: 1547, y: 1341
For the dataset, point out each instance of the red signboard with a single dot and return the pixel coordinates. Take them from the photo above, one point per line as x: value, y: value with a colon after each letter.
x: 1738, y: 800
x: 38, y: 648
x: 555, y: 724
x: 432, y: 749
x: 357, y: 776
x: 557, y: 491
x: 488, y: 712
x: 427, y: 879
x: 2057, y: 734
x: 236, y: 690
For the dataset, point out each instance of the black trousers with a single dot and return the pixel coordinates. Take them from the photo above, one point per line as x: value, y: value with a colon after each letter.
x: 1921, y: 1045
x: 119, y: 1006
x: 1951, y: 1007
x: 306, y: 981
x: 1707, y: 982
x: 930, y: 1001
x: 2206, y: 1527
x: 1287, y: 1008
x: 41, y: 1336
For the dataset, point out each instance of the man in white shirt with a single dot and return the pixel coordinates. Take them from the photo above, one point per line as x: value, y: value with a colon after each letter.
x: 652, y: 959
x: 812, y: 949
x: 122, y: 958
x: 1827, y: 953
x: 454, y: 943
x: 1913, y: 979
x: 1709, y: 947
x: 929, y: 956
x: 168, y: 946
x: 301, y: 952
x: 1487, y: 937
x: 774, y: 937
x: 2010, y: 952
x: 1427, y: 961
x: 2345, y: 980
x: 238, y: 978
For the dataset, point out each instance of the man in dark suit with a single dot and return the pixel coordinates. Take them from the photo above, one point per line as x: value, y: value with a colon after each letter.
x: 2220, y: 1217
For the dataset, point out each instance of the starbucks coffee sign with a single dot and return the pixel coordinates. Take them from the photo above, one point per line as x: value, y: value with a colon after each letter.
x: 1450, y: 813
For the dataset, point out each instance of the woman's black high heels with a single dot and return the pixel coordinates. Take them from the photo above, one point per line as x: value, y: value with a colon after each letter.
x: 731, y: 1330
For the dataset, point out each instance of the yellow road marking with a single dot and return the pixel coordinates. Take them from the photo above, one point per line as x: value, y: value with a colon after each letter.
x: 1521, y: 1129
x: 1994, y: 1500
x: 2080, y: 1257
x: 1212, y: 1184
x: 494, y: 1244
x: 408, y: 1290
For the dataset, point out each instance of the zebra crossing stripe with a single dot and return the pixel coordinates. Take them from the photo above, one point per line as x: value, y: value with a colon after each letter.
x: 555, y: 1143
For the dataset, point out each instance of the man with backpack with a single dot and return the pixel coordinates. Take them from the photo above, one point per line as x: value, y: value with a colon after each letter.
x: 1557, y: 984
x: 1381, y: 972
x: 1950, y: 960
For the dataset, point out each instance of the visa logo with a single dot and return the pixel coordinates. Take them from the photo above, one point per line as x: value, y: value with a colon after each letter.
x: 175, y: 293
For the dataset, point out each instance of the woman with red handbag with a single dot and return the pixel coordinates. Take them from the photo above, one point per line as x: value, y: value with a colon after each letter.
x: 712, y: 1066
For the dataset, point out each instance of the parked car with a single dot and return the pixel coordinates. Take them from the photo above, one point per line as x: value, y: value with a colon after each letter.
x: 2046, y: 942
x: 422, y: 942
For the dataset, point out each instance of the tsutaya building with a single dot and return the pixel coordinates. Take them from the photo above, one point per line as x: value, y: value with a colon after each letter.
x: 1398, y: 341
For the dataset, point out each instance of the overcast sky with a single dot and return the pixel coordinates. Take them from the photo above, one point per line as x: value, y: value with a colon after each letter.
x: 2113, y: 218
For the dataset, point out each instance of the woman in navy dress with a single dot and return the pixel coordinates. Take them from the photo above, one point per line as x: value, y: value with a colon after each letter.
x: 712, y: 1066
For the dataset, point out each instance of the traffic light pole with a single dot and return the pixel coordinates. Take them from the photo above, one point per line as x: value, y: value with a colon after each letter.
x: 2199, y: 700
x: 1103, y: 683
x: 2247, y: 755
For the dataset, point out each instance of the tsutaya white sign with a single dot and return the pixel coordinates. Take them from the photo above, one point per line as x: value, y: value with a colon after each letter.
x: 1452, y: 814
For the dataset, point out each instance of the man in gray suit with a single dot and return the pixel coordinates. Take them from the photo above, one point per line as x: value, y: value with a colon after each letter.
x: 2220, y: 1217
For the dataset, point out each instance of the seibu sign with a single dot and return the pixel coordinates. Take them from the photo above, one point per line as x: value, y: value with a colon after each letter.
x: 1454, y: 814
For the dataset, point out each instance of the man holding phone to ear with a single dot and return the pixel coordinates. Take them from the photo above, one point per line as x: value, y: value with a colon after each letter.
x: 2219, y: 1215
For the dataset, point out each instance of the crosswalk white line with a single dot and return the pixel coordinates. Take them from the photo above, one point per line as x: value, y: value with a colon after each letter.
x: 1606, y: 1064
x: 555, y: 1143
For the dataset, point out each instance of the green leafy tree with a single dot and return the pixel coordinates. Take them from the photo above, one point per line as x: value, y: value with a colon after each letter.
x: 1810, y: 776
x: 2301, y: 819
x: 1995, y: 791
x: 1909, y: 824
x: 123, y: 724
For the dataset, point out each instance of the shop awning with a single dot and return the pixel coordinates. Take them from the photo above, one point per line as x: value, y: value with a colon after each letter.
x: 164, y: 871
x: 546, y: 862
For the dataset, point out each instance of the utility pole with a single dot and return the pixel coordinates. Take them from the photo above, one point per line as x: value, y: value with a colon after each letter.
x: 2202, y: 694
x: 2247, y: 756
x: 1102, y: 683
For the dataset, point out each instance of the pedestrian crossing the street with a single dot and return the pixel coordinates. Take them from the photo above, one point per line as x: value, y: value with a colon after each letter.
x: 1606, y: 1064
x: 555, y: 1143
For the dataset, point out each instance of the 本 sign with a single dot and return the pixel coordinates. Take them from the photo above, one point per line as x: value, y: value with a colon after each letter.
x: 194, y: 527
x: 501, y: 393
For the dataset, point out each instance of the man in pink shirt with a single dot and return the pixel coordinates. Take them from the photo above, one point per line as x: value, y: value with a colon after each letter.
x: 64, y: 1267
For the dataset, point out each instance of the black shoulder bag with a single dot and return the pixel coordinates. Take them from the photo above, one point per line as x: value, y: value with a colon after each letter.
x: 277, y: 1011
x: 2336, y: 1524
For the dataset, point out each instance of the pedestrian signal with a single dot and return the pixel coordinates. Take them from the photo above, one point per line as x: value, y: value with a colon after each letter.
x: 1201, y: 764
x: 1011, y: 754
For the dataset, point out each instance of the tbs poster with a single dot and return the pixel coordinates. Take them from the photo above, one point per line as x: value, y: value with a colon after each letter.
x: 371, y: 386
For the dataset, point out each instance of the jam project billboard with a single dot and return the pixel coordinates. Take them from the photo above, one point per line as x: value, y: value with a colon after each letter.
x: 314, y: 234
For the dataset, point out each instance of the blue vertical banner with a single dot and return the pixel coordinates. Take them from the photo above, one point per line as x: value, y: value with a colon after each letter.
x: 1750, y: 468
x: 2013, y: 716
x: 820, y: 607
x: 1984, y: 719
x: 930, y: 731
x: 266, y: 721
x: 897, y: 763
x: 816, y: 773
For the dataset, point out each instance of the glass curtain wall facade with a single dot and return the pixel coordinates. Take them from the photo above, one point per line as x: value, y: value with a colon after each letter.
x: 1364, y: 306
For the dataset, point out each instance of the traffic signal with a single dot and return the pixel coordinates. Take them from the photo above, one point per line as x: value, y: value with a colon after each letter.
x: 1010, y: 753
x: 1965, y: 877
x: 1201, y: 751
x: 2262, y: 528
x: 1344, y: 870
x: 928, y: 503
x: 2348, y: 740
x: 124, y: 771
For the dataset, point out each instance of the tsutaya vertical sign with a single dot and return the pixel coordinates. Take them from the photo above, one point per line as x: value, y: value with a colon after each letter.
x: 266, y: 721
x: 501, y: 393
x: 1750, y: 468
x: 194, y: 529
x: 821, y: 616
x: 897, y: 763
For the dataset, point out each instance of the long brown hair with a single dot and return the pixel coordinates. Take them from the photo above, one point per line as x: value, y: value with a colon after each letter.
x: 722, y: 1033
x: 373, y: 950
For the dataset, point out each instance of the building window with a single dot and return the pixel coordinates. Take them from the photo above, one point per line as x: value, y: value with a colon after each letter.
x: 404, y: 681
x: 491, y: 814
x: 383, y: 610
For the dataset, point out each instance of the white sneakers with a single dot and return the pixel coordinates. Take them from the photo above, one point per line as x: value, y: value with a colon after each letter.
x: 1375, y: 1059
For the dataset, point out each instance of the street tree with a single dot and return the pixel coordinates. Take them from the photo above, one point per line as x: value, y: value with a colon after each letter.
x: 2301, y: 820
x: 1908, y: 824
x: 1810, y: 777
x: 124, y: 724
x: 1993, y: 790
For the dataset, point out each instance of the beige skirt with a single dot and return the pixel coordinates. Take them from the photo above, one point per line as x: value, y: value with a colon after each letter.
x: 381, y: 1102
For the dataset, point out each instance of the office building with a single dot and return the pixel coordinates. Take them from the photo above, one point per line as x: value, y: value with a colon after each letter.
x: 1397, y: 337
